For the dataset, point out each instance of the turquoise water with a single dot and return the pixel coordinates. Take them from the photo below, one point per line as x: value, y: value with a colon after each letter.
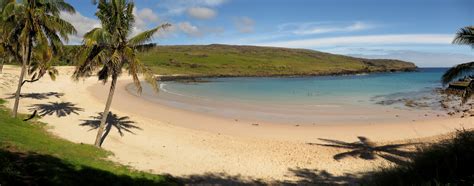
x: 339, y: 90
x: 365, y: 98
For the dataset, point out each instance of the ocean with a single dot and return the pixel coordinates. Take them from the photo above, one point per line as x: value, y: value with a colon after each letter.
x: 305, y: 99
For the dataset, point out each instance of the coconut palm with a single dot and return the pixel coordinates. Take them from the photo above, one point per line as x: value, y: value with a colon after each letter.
x: 465, y: 36
x: 38, y: 29
x: 111, y: 48
x: 8, y: 49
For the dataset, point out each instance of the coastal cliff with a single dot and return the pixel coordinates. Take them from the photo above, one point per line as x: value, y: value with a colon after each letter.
x: 253, y: 61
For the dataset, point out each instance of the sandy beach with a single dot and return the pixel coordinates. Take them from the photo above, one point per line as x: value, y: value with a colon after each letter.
x: 166, y: 140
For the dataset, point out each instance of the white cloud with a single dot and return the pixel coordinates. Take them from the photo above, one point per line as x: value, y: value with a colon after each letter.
x: 201, y: 12
x: 146, y: 19
x: 323, y: 27
x: 244, y: 24
x: 177, y: 7
x: 211, y: 2
x: 192, y: 30
x: 143, y: 18
x: 82, y: 24
x: 189, y: 29
x: 147, y: 14
x: 363, y: 40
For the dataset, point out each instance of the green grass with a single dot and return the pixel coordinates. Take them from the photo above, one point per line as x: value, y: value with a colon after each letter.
x: 450, y: 162
x: 228, y: 60
x: 29, y: 154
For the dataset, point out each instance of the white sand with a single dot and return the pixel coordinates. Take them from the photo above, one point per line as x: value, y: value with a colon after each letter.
x: 184, y: 143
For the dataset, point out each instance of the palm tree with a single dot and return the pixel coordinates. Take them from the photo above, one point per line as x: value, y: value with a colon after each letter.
x: 110, y: 48
x: 465, y: 36
x: 7, y: 48
x: 38, y: 29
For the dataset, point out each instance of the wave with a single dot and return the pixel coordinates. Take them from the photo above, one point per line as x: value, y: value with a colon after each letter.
x: 162, y: 88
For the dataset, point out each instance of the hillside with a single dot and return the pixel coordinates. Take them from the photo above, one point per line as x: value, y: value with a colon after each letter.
x: 229, y: 60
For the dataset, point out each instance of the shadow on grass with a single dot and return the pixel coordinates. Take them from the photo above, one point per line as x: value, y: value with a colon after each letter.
x: 60, y: 109
x: 18, y: 168
x: 448, y: 162
x: 39, y: 96
x: 218, y: 179
x: 320, y: 177
x: 122, y: 124
x: 367, y: 150
x: 301, y: 177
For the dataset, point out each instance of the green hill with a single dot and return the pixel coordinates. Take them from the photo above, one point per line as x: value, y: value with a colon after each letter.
x: 229, y: 60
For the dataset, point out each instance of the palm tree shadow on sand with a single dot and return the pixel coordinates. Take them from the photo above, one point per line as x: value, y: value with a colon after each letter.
x: 60, y: 109
x: 368, y: 150
x: 38, y: 96
x: 113, y: 120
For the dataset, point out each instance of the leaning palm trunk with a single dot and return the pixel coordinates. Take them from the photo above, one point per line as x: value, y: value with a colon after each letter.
x: 100, y: 133
x: 1, y: 66
x: 25, y: 62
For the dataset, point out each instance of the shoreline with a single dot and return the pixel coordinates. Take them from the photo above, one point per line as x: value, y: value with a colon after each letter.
x: 275, y: 131
x: 180, y: 143
x: 287, y: 113
x: 196, y: 78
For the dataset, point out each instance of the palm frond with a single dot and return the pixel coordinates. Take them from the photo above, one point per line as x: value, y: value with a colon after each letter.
x: 88, y: 60
x: 60, y: 26
x: 60, y: 5
x: 146, y: 36
x: 457, y: 71
x: 133, y: 71
x: 150, y: 78
x: 97, y: 36
x: 465, y: 36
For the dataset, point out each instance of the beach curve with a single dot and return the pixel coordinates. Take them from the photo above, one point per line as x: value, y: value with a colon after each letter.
x: 170, y: 141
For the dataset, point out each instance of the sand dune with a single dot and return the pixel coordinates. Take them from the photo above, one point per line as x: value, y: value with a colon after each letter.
x: 160, y: 139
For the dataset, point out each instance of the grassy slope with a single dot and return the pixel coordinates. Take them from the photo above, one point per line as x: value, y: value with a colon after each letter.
x: 29, y: 154
x: 450, y: 162
x: 227, y: 60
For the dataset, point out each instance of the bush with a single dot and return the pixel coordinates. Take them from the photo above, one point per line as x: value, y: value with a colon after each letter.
x: 450, y: 162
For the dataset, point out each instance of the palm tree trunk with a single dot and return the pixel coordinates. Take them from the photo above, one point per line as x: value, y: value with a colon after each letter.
x: 100, y: 133
x: 1, y: 65
x: 25, y: 62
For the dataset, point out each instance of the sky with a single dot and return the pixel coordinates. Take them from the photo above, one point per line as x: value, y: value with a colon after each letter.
x: 419, y: 31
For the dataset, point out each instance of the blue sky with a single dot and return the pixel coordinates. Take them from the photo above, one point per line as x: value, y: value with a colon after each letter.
x: 415, y: 30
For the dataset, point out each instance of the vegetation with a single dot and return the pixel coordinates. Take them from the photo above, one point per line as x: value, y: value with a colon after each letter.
x: 228, y: 60
x: 33, y: 31
x: 30, y: 155
x: 465, y: 36
x: 448, y: 162
x: 110, y: 49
